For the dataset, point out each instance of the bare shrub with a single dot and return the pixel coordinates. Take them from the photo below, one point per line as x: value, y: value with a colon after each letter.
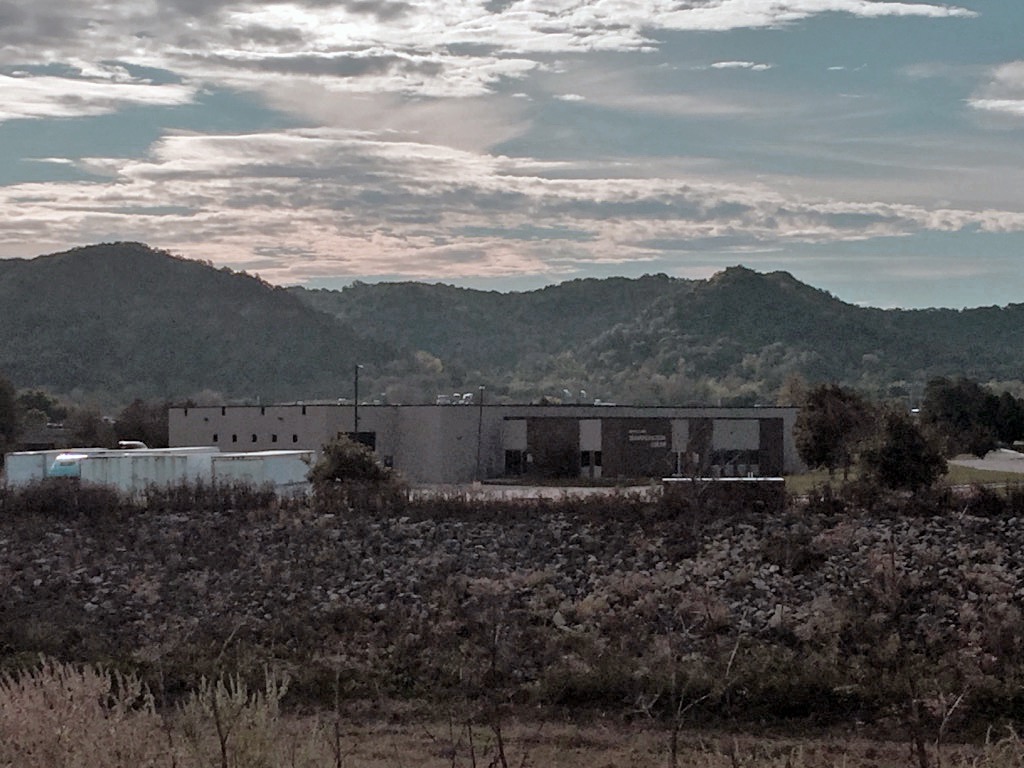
x: 205, y: 498
x: 226, y: 723
x: 66, y: 715
x: 985, y: 502
x: 64, y: 498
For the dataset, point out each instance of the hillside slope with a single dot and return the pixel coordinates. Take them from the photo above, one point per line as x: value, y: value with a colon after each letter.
x: 735, y: 337
x: 126, y: 320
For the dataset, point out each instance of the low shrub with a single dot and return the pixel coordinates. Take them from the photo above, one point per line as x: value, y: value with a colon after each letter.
x: 59, y: 714
x: 348, y: 477
x: 64, y: 498
x: 205, y: 498
x: 985, y: 502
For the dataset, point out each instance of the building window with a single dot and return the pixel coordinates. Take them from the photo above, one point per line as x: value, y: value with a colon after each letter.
x: 303, y: 410
x: 215, y: 437
x: 263, y: 410
x: 254, y: 438
x: 234, y: 438
x: 295, y: 438
x: 223, y: 411
x: 273, y: 438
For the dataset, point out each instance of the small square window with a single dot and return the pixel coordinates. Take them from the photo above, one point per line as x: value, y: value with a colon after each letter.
x: 234, y: 438
x: 254, y: 438
x: 273, y: 438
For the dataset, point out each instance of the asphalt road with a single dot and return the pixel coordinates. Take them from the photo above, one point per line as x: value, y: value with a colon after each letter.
x: 1002, y: 460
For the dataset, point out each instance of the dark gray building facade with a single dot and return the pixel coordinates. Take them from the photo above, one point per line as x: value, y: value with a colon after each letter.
x: 463, y: 443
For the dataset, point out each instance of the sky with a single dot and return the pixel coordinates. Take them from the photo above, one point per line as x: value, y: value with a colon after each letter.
x: 874, y: 149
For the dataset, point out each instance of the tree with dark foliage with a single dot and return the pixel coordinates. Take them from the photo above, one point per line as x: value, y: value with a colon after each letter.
x: 831, y: 424
x: 902, y: 456
x: 348, y: 475
x: 8, y: 417
x: 969, y: 417
x: 143, y: 421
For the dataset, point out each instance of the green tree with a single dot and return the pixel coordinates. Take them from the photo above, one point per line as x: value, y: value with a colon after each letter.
x: 37, y: 400
x: 8, y: 417
x: 145, y: 421
x: 831, y: 424
x: 1009, y: 418
x: 902, y: 456
x: 347, y: 474
x: 88, y: 428
x: 963, y: 413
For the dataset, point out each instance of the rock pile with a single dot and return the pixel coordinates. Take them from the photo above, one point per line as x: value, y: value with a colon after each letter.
x: 364, y: 590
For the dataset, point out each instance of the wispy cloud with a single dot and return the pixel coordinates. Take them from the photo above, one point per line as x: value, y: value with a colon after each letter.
x: 1004, y: 91
x: 455, y: 138
x: 28, y: 96
x: 751, y: 65
x: 356, y: 204
x: 432, y: 47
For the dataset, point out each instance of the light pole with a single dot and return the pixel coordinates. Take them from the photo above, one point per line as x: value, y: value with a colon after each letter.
x: 479, y: 431
x: 355, y: 403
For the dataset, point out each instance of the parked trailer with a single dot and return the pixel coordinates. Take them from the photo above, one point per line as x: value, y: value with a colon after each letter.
x: 132, y: 473
x: 24, y: 467
x: 132, y: 470
x: 286, y: 471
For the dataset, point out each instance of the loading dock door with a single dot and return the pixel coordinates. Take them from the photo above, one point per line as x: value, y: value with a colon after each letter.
x: 590, y: 448
x: 513, y: 440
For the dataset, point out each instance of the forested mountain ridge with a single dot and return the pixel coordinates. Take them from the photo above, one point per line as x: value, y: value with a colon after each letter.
x: 123, y: 320
x: 733, y: 338
x: 126, y: 321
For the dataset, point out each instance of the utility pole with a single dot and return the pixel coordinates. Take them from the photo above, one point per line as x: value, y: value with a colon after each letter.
x: 355, y: 403
x: 479, y: 432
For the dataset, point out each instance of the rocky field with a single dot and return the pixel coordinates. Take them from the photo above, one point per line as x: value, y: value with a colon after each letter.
x: 826, y: 613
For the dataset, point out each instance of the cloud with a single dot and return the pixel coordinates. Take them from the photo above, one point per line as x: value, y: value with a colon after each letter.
x: 751, y: 65
x: 405, y: 101
x: 428, y: 47
x: 1004, y: 91
x: 46, y: 96
x: 724, y: 15
x: 353, y: 203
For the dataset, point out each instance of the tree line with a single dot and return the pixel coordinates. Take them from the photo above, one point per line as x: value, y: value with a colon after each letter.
x: 27, y: 412
x: 839, y: 428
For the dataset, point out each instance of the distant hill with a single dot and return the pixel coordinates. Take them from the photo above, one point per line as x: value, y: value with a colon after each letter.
x: 734, y: 338
x: 124, y: 320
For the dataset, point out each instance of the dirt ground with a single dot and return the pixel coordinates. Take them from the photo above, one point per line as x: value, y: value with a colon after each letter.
x: 614, y: 745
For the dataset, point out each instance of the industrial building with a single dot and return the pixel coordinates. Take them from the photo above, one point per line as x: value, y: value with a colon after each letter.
x: 467, y: 442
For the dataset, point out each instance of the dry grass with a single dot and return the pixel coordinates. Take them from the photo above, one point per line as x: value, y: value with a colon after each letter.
x: 64, y: 715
